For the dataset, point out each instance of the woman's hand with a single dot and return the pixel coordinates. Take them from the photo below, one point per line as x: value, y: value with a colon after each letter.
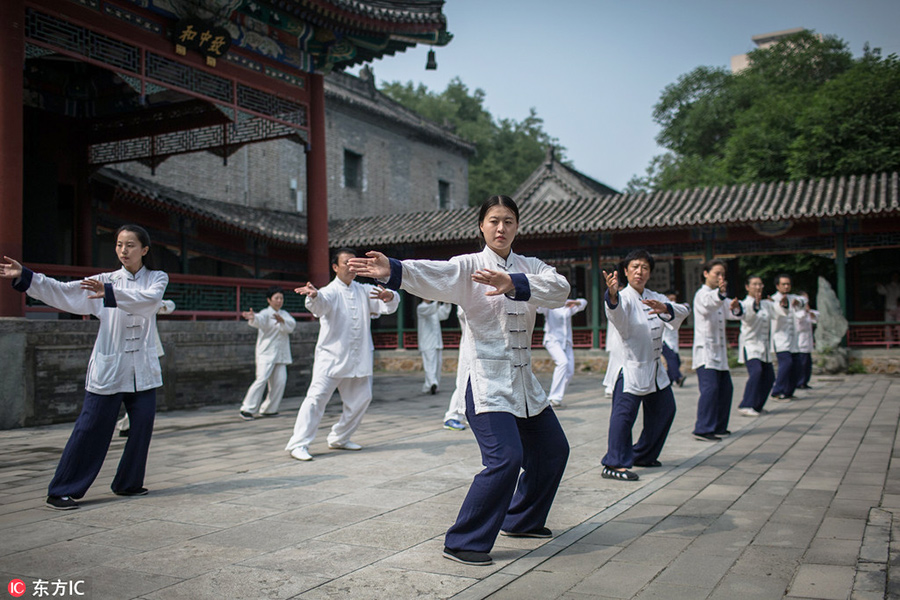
x: 249, y: 314
x: 95, y: 287
x: 656, y: 307
x: 11, y: 269
x: 376, y: 265
x: 307, y: 290
x: 379, y: 293
x: 612, y: 283
x: 500, y: 280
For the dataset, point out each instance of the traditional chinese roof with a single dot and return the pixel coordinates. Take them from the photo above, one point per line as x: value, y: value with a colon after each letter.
x: 864, y: 196
x: 319, y: 35
x: 554, y: 180
x: 281, y: 226
x: 360, y: 94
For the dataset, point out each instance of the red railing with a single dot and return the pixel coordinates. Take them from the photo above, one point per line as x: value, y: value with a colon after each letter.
x: 234, y: 289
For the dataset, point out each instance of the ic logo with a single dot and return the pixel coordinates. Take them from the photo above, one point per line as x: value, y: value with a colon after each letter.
x: 16, y: 588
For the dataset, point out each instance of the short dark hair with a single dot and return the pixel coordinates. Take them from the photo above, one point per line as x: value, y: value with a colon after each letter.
x: 337, y: 253
x: 781, y: 276
x: 639, y: 254
x: 274, y: 290
x: 708, y: 265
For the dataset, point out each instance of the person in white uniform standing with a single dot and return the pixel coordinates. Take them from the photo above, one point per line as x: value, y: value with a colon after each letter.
x: 523, y: 448
x: 558, y: 342
x: 344, y: 354
x: 784, y: 338
x: 273, y: 354
x: 639, y: 315
x: 754, y: 347
x: 891, y: 293
x: 712, y: 308
x: 124, y: 366
x: 804, y: 319
x: 431, y: 343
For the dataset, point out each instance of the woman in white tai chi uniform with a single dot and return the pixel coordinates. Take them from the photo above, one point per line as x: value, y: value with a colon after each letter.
x: 431, y: 344
x: 124, y: 365
x: 523, y: 447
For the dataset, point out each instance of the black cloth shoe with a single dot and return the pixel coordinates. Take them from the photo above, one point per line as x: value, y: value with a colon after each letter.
x: 707, y: 437
x: 541, y: 532
x: 61, y: 503
x: 132, y: 492
x: 433, y: 389
x: 123, y: 432
x: 246, y: 416
x: 651, y: 464
x: 469, y: 557
x: 625, y: 475
x: 725, y: 433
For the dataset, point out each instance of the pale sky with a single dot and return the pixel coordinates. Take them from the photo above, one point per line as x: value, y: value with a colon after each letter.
x: 593, y: 69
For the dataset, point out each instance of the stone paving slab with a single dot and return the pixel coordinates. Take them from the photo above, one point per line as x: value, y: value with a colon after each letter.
x: 798, y: 503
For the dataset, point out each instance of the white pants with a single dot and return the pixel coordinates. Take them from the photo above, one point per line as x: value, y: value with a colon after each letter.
x: 431, y: 362
x: 271, y: 374
x: 457, y: 408
x: 356, y: 393
x: 564, y: 357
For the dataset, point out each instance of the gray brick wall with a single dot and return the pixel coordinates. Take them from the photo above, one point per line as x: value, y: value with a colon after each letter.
x: 400, y: 172
x: 206, y: 363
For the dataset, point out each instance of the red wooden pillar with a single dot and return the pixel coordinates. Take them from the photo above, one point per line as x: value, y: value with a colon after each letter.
x: 12, y: 62
x: 317, y: 186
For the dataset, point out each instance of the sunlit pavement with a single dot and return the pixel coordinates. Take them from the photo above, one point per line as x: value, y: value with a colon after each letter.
x: 796, y: 503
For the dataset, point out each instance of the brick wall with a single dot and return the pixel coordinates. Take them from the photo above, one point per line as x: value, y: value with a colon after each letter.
x: 206, y: 363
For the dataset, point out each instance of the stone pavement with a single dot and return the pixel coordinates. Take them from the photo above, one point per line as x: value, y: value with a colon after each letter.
x: 798, y: 503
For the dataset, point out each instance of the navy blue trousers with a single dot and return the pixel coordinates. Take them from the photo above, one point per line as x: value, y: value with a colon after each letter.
x: 87, y: 446
x: 804, y: 368
x: 788, y: 374
x: 761, y: 377
x: 537, y: 448
x: 714, y: 406
x: 673, y: 363
x: 659, y: 413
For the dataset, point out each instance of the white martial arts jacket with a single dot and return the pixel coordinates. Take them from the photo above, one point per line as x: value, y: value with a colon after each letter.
x: 273, y: 341
x: 345, y: 312
x: 497, y: 342
x: 784, y: 332
x: 615, y: 358
x: 710, y: 344
x: 430, y: 315
x: 124, y: 358
x: 803, y: 323
x: 558, y: 322
x: 641, y: 335
x: 754, y: 341
x: 670, y: 334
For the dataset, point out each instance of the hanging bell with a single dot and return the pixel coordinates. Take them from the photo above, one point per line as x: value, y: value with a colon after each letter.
x: 431, y: 65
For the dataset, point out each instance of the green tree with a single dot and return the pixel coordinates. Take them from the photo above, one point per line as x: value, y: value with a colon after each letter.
x: 804, y: 108
x: 507, y: 151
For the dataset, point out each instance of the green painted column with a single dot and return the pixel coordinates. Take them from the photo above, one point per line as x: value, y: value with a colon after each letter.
x: 840, y: 268
x: 399, y: 322
x: 708, y: 246
x: 596, y: 298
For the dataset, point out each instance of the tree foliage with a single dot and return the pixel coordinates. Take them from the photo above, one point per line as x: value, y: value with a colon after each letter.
x: 507, y: 151
x: 804, y: 108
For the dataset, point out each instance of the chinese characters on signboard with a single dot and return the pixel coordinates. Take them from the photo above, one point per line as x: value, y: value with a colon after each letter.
x: 202, y: 37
